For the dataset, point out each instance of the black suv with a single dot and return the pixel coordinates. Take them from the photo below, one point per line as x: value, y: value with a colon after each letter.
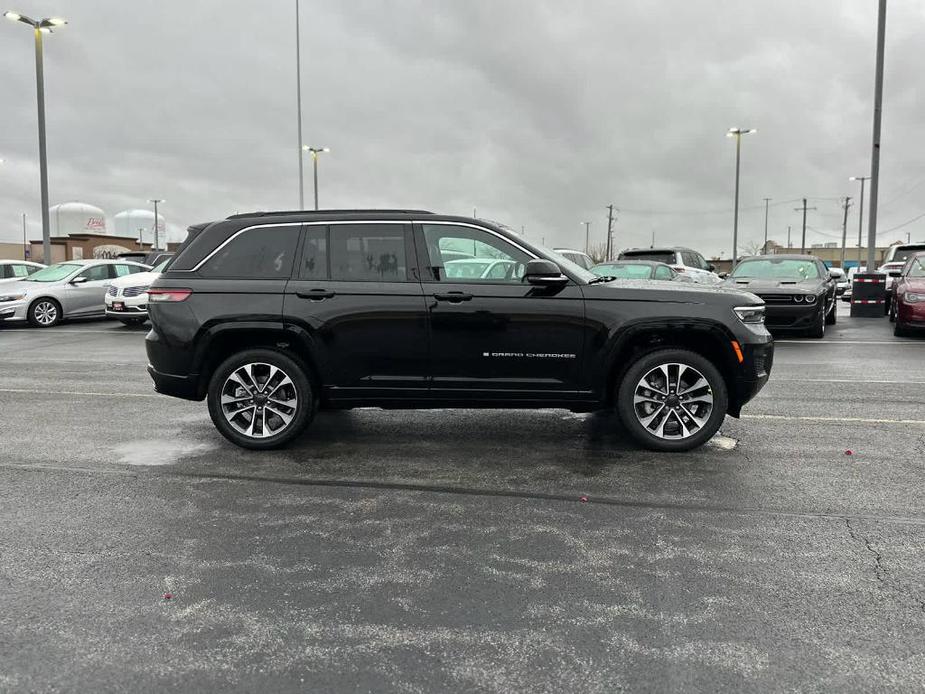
x: 271, y: 316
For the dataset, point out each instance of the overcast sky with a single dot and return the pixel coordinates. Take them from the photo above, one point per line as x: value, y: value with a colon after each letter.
x: 534, y: 113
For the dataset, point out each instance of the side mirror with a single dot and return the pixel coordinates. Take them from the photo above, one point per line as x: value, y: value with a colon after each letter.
x: 78, y: 280
x: 544, y: 273
x: 896, y: 273
x: 723, y: 275
x: 711, y: 268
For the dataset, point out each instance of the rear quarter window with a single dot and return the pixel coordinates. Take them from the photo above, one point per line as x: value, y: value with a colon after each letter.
x: 260, y: 253
x: 667, y: 257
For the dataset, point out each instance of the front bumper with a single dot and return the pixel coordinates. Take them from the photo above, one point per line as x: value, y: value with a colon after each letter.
x: 911, y: 315
x: 132, y: 306
x: 792, y: 316
x: 756, y: 369
x: 14, y: 310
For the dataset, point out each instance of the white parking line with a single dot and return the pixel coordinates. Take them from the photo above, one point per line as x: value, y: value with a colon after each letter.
x: 115, y: 331
x: 859, y: 381
x: 36, y: 391
x: 827, y: 343
x: 837, y: 420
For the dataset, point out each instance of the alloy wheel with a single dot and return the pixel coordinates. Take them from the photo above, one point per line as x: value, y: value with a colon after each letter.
x: 673, y: 401
x: 259, y: 400
x: 45, y: 312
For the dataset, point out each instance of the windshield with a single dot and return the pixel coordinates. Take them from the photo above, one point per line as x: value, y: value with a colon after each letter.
x: 624, y: 271
x: 466, y: 268
x: 568, y: 265
x: 666, y: 257
x: 774, y: 269
x: 53, y: 273
x: 917, y: 269
x: 903, y: 253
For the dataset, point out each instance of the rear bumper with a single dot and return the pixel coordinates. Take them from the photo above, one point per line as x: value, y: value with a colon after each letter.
x: 185, y: 387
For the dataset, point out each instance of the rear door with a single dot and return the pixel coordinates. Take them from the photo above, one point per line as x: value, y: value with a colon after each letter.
x: 496, y: 337
x: 355, y: 297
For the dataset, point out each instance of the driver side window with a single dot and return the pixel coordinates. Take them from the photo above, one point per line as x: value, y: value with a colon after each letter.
x: 461, y: 254
x: 96, y: 273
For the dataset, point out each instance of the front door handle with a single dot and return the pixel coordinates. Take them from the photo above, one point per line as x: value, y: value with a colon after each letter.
x: 316, y: 294
x: 453, y: 297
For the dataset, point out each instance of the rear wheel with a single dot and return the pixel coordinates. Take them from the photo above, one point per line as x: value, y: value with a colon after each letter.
x: 672, y: 400
x: 44, y: 313
x: 260, y: 399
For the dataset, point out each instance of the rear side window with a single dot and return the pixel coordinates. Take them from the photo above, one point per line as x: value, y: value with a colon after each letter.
x: 314, y: 265
x: 21, y: 270
x: 663, y: 273
x: 666, y: 257
x: 262, y: 253
x: 369, y: 252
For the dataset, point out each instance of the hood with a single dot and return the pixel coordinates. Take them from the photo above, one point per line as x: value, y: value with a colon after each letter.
x: 687, y: 292
x: 758, y: 286
x: 138, y: 279
x: 15, y: 286
x: 915, y: 284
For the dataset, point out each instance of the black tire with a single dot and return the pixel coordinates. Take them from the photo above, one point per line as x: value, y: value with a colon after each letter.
x: 892, y: 313
x: 630, y: 416
x: 900, y: 330
x: 832, y: 316
x: 818, y: 330
x: 301, y: 414
x: 44, y: 313
x: 131, y: 321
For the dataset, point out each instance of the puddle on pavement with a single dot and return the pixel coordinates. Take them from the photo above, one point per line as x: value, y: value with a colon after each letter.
x: 724, y: 443
x: 151, y: 452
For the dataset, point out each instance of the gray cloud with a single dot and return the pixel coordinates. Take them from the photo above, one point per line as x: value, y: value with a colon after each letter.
x: 535, y: 113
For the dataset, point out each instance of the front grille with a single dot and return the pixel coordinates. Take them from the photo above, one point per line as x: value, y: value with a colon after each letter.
x: 776, y: 298
x: 113, y: 291
x: 134, y: 291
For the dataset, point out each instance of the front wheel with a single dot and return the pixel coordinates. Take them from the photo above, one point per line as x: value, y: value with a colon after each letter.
x: 832, y: 316
x: 260, y: 399
x: 44, y: 313
x: 672, y: 400
x: 818, y: 329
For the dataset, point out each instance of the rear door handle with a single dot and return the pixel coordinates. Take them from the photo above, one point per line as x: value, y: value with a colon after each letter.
x: 453, y: 297
x: 316, y: 294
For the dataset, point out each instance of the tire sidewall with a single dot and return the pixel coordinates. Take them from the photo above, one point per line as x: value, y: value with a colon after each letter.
x: 305, y: 409
x: 32, y: 319
x: 646, y: 363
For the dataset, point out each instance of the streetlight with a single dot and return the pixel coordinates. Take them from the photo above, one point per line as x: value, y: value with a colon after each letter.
x: 41, y: 26
x: 315, y: 152
x: 298, y: 98
x: 737, y: 133
x: 155, y: 201
x: 862, y: 179
x: 587, y: 237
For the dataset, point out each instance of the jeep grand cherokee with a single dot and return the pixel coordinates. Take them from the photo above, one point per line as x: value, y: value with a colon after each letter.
x: 272, y: 316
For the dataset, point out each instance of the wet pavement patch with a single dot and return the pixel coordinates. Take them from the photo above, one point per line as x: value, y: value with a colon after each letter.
x: 153, y: 452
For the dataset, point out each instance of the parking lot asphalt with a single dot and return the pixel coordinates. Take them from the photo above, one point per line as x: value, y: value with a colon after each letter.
x: 451, y: 550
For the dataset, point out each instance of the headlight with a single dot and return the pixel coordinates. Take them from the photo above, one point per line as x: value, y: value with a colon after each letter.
x: 798, y: 298
x: 750, y: 314
x: 809, y: 298
x: 908, y: 297
x: 12, y: 297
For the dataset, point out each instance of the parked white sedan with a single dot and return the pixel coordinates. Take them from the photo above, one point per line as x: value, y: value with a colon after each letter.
x: 74, y: 289
x: 17, y: 270
x: 127, y: 297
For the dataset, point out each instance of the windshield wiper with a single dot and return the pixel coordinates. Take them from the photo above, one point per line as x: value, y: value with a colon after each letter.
x: 605, y: 278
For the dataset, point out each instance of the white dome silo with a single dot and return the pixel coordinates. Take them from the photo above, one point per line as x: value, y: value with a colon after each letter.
x: 139, y: 224
x: 76, y: 218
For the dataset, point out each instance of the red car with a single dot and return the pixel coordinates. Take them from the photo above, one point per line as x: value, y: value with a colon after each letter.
x: 908, y: 308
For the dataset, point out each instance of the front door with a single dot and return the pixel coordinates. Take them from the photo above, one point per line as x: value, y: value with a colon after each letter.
x: 87, y: 298
x: 493, y: 335
x: 355, y: 295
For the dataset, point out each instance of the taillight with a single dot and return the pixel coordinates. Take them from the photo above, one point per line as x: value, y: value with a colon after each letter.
x: 158, y: 295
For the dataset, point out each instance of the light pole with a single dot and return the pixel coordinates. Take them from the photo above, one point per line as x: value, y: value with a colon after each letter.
x: 737, y: 133
x: 315, y: 152
x: 156, y: 245
x: 862, y: 179
x: 40, y: 27
x: 764, y: 249
x: 587, y: 237
x: 298, y: 98
x: 875, y: 144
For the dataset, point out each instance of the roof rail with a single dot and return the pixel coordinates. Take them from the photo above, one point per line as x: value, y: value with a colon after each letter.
x: 288, y: 213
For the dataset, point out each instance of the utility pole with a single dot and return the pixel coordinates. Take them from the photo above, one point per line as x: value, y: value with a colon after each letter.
x: 25, y: 246
x: 844, y: 230
x: 298, y: 98
x: 862, y: 179
x: 764, y: 249
x: 788, y: 236
x: 156, y: 239
x: 587, y: 237
x: 610, y: 232
x: 804, y: 208
x: 875, y: 145
x: 653, y: 239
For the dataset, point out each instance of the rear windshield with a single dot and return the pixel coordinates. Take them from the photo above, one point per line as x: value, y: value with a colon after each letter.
x: 784, y: 269
x: 666, y: 257
x: 624, y: 271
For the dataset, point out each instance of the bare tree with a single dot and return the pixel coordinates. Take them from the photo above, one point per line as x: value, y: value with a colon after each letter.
x: 752, y: 248
x: 598, y: 252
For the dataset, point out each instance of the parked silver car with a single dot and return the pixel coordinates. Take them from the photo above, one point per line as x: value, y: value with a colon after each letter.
x: 73, y: 289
